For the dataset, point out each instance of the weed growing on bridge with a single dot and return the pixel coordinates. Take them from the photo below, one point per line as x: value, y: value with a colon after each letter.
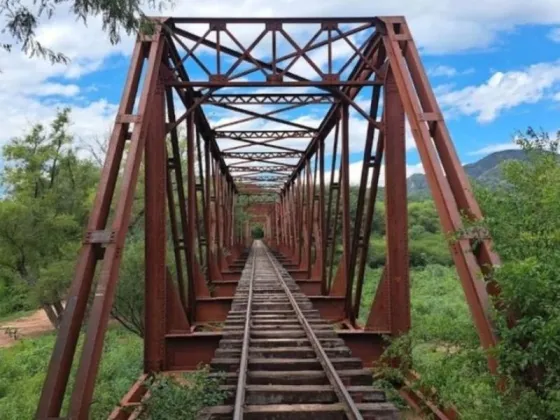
x: 182, y: 397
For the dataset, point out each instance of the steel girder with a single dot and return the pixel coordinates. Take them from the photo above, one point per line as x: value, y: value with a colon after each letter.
x: 271, y: 99
x: 263, y: 134
x: 261, y: 155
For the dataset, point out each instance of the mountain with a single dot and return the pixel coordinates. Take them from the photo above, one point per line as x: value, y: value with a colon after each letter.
x: 485, y: 171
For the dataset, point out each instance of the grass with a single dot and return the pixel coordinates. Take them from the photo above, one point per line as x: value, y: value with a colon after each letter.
x: 23, y: 367
x: 445, y: 347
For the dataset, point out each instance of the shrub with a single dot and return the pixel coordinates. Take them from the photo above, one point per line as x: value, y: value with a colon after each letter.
x: 182, y: 397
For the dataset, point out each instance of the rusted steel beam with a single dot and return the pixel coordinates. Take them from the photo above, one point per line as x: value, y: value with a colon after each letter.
x: 423, y: 121
x: 283, y: 20
x: 326, y: 83
x: 62, y: 356
x: 271, y: 99
x: 332, y: 227
x: 360, y: 74
x: 176, y: 166
x: 269, y: 168
x: 321, y: 244
x: 267, y: 179
x: 368, y: 223
x: 259, y: 65
x: 396, y: 266
x: 341, y: 282
x: 262, y: 115
x: 264, y: 134
x: 155, y: 164
x: 101, y: 306
x: 358, y: 237
x: 246, y: 160
x: 260, y: 155
x: 264, y: 143
x: 187, y: 100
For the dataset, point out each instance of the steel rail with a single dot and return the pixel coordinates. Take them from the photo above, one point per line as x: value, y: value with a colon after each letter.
x: 344, y: 397
x: 243, y: 365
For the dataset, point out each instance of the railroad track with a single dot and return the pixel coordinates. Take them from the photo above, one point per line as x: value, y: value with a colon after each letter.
x: 282, y: 361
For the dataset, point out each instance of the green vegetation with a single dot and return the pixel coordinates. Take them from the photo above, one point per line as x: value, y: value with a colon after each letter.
x: 23, y: 368
x: 49, y: 191
x: 257, y: 232
x: 523, y: 216
x: 184, y: 396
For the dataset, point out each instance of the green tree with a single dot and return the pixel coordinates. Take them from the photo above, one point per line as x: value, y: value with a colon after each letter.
x: 49, y: 189
x: 524, y: 218
x: 22, y: 20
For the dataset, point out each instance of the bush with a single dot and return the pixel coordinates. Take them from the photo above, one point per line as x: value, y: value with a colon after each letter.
x: 424, y: 249
x: 182, y: 397
x: 23, y: 368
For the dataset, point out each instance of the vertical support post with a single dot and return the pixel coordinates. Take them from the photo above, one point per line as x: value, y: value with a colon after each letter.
x: 80, y: 400
x: 321, y: 250
x: 60, y: 363
x: 345, y: 190
x: 360, y: 238
x: 341, y: 283
x: 423, y: 123
x: 155, y: 237
x: 177, y: 230
x: 363, y: 251
x: 396, y: 268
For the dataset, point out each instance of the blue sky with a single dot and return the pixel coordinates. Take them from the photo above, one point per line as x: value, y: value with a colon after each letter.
x: 494, y: 65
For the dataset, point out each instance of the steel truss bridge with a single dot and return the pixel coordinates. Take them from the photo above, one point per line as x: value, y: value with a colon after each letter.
x: 267, y: 113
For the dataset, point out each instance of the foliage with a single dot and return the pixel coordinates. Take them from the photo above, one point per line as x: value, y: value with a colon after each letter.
x: 22, y: 19
x: 524, y: 218
x: 128, y: 307
x: 184, y: 396
x: 24, y: 366
x: 523, y: 215
x: 257, y: 232
x: 427, y: 244
x: 48, y: 195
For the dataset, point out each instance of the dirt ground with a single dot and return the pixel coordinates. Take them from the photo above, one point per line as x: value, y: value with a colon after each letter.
x: 27, y: 326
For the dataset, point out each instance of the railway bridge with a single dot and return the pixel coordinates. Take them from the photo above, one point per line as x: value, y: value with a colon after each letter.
x: 234, y: 123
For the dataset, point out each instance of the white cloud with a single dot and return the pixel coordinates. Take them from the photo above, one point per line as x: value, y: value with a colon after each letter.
x: 503, y: 91
x: 32, y: 89
x: 492, y: 148
x: 355, y: 172
x: 48, y: 89
x: 444, y: 71
x: 554, y: 35
x: 460, y: 26
x: 24, y: 82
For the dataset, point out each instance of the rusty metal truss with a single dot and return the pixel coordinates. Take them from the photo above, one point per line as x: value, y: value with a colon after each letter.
x: 271, y: 99
x: 261, y: 155
x: 291, y: 95
x: 264, y: 134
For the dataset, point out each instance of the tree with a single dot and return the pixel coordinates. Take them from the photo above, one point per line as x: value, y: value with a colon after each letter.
x: 524, y: 218
x: 23, y: 18
x: 128, y: 307
x: 49, y: 189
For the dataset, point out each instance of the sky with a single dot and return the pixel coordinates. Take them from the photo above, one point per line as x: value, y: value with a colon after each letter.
x: 494, y: 66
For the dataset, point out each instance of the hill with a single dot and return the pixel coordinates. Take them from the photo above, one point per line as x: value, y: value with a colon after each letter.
x: 485, y: 171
